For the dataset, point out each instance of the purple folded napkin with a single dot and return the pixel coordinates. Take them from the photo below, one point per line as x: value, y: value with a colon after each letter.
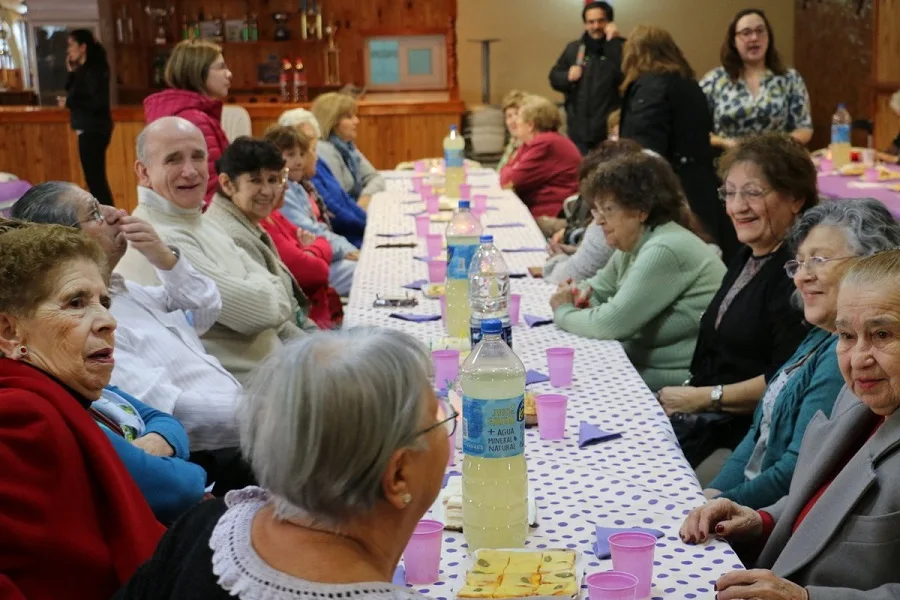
x: 422, y: 258
x: 591, y: 434
x: 415, y: 318
x: 415, y: 214
x: 533, y: 376
x: 448, y: 475
x: 510, y: 225
x: 411, y: 201
x: 601, y: 544
x: 523, y: 249
x: 534, y: 321
x: 416, y: 285
x: 399, y: 576
x: 392, y: 235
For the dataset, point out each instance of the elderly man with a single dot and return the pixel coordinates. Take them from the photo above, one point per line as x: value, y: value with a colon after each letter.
x: 257, y: 314
x: 159, y: 356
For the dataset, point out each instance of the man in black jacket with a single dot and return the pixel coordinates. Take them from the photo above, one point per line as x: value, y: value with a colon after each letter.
x: 588, y: 73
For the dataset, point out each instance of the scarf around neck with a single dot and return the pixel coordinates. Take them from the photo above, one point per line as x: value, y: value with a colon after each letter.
x: 350, y: 155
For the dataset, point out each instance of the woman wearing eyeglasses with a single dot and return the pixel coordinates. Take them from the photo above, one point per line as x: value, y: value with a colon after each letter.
x: 751, y: 327
x: 824, y: 240
x: 753, y: 92
x: 349, y: 445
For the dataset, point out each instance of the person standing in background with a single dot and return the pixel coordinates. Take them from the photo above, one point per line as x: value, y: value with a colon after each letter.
x: 588, y: 74
x: 87, y: 98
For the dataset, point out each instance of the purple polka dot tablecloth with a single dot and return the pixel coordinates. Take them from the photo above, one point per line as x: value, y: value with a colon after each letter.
x: 638, y: 480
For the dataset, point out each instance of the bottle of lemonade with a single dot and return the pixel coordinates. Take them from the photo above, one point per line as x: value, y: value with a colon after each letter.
x: 463, y: 235
x: 494, y: 475
x: 454, y: 155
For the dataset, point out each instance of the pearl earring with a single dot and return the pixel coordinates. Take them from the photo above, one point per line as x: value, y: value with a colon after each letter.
x: 407, y: 499
x: 20, y: 353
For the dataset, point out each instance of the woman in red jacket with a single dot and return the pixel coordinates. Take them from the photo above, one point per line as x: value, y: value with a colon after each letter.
x: 544, y: 172
x: 198, y: 79
x: 73, y: 523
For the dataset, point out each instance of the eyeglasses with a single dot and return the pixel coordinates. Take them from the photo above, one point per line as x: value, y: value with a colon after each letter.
x: 600, y: 212
x: 792, y: 267
x: 96, y: 215
x: 446, y: 418
x: 750, y: 195
x: 749, y: 31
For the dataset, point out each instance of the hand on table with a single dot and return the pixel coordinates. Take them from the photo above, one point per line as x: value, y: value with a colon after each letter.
x: 557, y: 237
x: 758, y: 584
x: 728, y: 519
x: 682, y: 399
x: 563, y: 295
x: 354, y: 256
x: 711, y: 493
x: 364, y: 201
x: 143, y: 237
x: 155, y: 445
x: 306, y: 238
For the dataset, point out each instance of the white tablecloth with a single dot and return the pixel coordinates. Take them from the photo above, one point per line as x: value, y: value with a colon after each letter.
x: 640, y: 479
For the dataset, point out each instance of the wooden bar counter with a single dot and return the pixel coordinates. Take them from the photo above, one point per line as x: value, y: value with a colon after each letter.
x: 36, y: 143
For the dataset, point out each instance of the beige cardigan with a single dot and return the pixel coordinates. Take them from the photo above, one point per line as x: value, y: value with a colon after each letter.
x: 257, y: 313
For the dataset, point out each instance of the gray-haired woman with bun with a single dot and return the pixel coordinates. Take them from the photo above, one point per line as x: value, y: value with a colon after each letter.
x: 349, y: 445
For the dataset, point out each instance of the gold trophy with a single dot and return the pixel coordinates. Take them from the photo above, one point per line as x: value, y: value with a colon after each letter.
x: 332, y: 56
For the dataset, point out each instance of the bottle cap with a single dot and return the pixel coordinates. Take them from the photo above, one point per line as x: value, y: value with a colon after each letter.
x: 464, y: 204
x: 487, y: 239
x: 842, y: 105
x: 453, y: 128
x: 491, y: 326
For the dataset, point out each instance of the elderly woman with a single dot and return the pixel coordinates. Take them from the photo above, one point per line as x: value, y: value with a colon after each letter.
x: 759, y: 471
x: 834, y: 535
x: 544, y: 171
x: 251, y: 187
x: 892, y: 153
x: 750, y: 328
x: 511, y: 104
x: 198, y: 80
x: 333, y: 517
x: 661, y: 278
x: 74, y: 523
x: 336, y: 114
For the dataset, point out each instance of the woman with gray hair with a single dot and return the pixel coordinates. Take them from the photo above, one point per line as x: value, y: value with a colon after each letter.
x: 349, y: 444
x: 759, y: 471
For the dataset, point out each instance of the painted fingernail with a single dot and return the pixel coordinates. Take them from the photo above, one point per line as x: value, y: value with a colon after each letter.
x: 716, y: 588
x: 720, y: 529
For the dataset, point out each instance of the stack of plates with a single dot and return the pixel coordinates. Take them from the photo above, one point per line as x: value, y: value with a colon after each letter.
x: 487, y: 130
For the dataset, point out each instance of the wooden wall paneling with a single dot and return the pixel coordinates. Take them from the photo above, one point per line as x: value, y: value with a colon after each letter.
x: 887, y: 41
x: 887, y: 123
x: 120, y: 158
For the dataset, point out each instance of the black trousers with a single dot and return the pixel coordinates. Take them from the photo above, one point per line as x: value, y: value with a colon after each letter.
x: 92, y: 147
x: 226, y: 468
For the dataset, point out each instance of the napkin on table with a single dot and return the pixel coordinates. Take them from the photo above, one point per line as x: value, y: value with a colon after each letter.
x: 416, y: 285
x: 523, y: 249
x: 589, y: 434
x: 534, y: 321
x: 415, y: 318
x: 601, y: 544
x: 399, y: 576
x: 392, y: 235
x: 533, y: 376
x: 508, y: 225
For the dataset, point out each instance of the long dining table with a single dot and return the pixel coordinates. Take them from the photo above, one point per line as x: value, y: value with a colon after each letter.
x: 640, y: 479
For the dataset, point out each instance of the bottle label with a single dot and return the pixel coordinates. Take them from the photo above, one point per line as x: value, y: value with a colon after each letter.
x: 453, y: 158
x: 459, y: 257
x: 475, y: 334
x: 493, y: 428
x: 840, y: 134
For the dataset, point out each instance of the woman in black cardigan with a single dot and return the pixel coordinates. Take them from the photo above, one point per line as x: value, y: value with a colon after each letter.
x: 88, y: 102
x: 751, y: 326
x: 664, y: 110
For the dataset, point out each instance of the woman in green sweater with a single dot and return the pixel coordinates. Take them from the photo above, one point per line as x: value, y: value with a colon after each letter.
x: 651, y: 293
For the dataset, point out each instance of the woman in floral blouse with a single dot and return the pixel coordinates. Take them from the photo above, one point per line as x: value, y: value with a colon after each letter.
x: 752, y: 92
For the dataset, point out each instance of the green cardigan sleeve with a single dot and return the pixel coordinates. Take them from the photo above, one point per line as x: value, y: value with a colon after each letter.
x: 619, y: 313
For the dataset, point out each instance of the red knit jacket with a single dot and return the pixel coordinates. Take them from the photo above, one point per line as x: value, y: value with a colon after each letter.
x: 543, y: 173
x: 73, y: 524
x: 202, y: 111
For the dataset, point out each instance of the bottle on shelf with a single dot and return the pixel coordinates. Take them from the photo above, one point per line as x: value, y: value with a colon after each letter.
x: 245, y: 29
x: 220, y: 29
x: 454, y: 154
x: 185, y: 28
x: 489, y: 290
x: 284, y: 79
x: 463, y: 235
x: 120, y: 28
x: 840, y: 137
x: 301, y: 87
x: 494, y: 472
x: 197, y: 34
x: 254, y: 28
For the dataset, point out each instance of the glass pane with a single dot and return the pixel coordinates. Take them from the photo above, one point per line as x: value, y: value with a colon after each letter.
x: 384, y: 62
x: 50, y: 45
x: 420, y: 61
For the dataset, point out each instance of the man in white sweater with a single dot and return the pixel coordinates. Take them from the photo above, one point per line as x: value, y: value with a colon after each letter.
x: 257, y: 314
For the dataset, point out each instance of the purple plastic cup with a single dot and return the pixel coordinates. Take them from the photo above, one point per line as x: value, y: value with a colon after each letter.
x: 423, y: 225
x: 446, y: 367
x: 437, y: 270
x: 465, y: 191
x: 551, y: 414
x: 826, y: 165
x: 559, y: 363
x: 611, y: 585
x: 479, y: 202
x: 515, y: 301
x: 443, y: 301
x: 432, y: 203
x: 632, y: 552
x: 422, y: 557
x: 434, y: 244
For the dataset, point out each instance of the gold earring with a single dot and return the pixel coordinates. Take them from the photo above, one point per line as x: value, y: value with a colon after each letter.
x: 407, y: 499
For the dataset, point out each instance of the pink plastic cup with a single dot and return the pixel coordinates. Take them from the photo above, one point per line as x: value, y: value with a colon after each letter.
x: 515, y: 301
x: 559, y: 363
x: 611, y: 585
x: 551, y: 414
x: 446, y: 367
x: 432, y: 204
x: 871, y: 174
x: 437, y: 270
x: 434, y: 244
x: 423, y: 225
x: 826, y: 166
x: 632, y: 553
x: 420, y: 166
x: 443, y: 301
x: 422, y: 557
x: 479, y: 202
x: 477, y: 214
x: 417, y: 184
x: 465, y: 191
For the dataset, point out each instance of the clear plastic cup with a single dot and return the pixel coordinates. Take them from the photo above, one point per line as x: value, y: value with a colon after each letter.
x: 465, y: 191
x: 432, y: 203
x: 479, y: 202
x: 560, y: 362
x: 611, y: 585
x: 422, y: 557
x: 632, y: 553
x: 515, y: 301
x: 434, y: 244
x: 551, y: 415
x: 443, y: 301
x: 446, y: 367
x: 437, y: 270
x: 423, y: 225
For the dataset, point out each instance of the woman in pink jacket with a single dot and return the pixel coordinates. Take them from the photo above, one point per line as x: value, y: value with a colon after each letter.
x: 198, y: 79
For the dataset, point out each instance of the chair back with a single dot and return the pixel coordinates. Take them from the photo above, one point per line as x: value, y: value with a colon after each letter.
x: 236, y: 122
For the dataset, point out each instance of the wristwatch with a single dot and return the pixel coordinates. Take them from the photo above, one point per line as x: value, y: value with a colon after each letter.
x: 715, y: 396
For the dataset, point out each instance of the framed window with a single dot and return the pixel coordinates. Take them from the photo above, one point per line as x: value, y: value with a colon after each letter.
x: 406, y: 62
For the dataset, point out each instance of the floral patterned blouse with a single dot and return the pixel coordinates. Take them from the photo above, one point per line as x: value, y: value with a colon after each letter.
x: 781, y: 105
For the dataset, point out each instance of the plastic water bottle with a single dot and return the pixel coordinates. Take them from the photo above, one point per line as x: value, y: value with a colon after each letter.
x: 489, y: 290
x: 840, y: 137
x: 463, y: 234
x: 454, y: 155
x: 494, y: 474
